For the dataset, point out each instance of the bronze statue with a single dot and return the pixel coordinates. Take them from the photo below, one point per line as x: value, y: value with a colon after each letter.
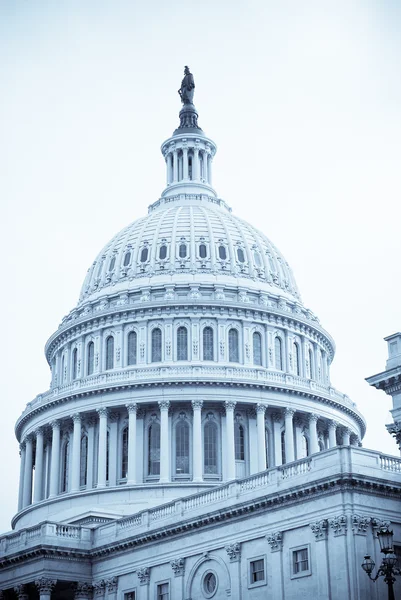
x: 187, y: 88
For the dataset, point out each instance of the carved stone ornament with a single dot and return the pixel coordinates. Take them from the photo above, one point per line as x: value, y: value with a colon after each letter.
x: 45, y: 585
x: 21, y: 592
x: 319, y: 529
x: 360, y: 523
x: 132, y: 408
x: 143, y: 575
x: 197, y: 404
x: 178, y: 566
x: 164, y: 404
x: 380, y: 523
x: 275, y: 541
x: 261, y: 408
x: 234, y: 551
x: 111, y: 584
x: 395, y: 430
x: 339, y: 524
x: 83, y: 590
x: 229, y: 405
x: 99, y: 587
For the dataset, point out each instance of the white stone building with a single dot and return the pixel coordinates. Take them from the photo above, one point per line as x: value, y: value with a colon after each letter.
x: 191, y: 444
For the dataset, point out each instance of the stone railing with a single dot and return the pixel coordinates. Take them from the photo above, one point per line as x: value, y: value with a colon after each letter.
x: 46, y: 533
x: 390, y: 463
x: 191, y: 373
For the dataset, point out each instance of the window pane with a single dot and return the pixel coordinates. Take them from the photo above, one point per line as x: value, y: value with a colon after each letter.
x: 310, y: 366
x: 154, y: 449
x: 156, y: 345
x: 109, y: 352
x: 283, y: 447
x: 257, y: 570
x: 127, y: 259
x: 210, y: 448
x: 257, y: 348
x: 163, y: 252
x: 132, y: 348
x: 91, y: 358
x: 182, y: 448
x: 301, y: 562
x: 233, y: 350
x: 239, y: 442
x: 182, y: 343
x: 112, y: 263
x: 163, y: 591
x: 74, y: 363
x: 65, y: 467
x: 202, y: 251
x: 208, y: 343
x: 222, y: 253
x: 278, y: 354
x: 258, y: 260
x: 182, y: 250
x: 144, y: 255
x: 240, y: 255
x: 124, y: 454
x: 84, y: 461
x: 296, y: 359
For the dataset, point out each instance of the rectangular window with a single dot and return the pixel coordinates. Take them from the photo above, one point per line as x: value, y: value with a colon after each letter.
x: 300, y: 561
x: 130, y: 596
x: 163, y: 591
x: 257, y: 571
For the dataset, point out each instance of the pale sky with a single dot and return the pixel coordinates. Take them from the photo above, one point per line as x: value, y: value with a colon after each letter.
x: 303, y: 100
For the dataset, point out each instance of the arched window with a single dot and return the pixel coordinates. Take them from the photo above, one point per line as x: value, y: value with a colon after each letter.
x: 222, y: 253
x: 297, y: 365
x: 240, y: 255
x: 156, y: 345
x: 144, y: 254
x: 267, y: 447
x: 108, y: 456
x: 63, y: 368
x: 239, y: 442
x: 322, y: 367
x: 190, y: 167
x: 257, y: 258
x: 283, y: 447
x: 65, y: 466
x: 321, y: 445
x: 257, y: 348
x: 210, y: 448
x: 74, y: 363
x: 202, y: 251
x: 233, y: 347
x: 182, y: 250
x: 124, y: 453
x: 127, y: 259
x: 182, y: 448
x: 278, y: 354
x: 208, y: 353
x: 154, y: 449
x: 110, y: 352
x: 84, y: 461
x: 182, y: 343
x: 112, y: 263
x: 90, y: 353
x: 304, y: 446
x: 163, y: 252
x: 310, y: 364
x: 132, y: 340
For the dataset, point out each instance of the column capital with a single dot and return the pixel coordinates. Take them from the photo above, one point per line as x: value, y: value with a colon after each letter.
x: 39, y: 431
x: 178, y: 566
x: 275, y: 540
x: 347, y: 430
x: 102, y: 412
x: 261, y: 408
x: 131, y: 408
x: 112, y: 584
x: 164, y: 404
x: 45, y: 585
x: 83, y: 590
x: 234, y: 551
x: 332, y: 424
x: 197, y: 404
x: 76, y: 417
x: 55, y: 424
x: 230, y: 405
x: 143, y: 575
x: 21, y: 591
x: 313, y: 417
x: 28, y: 439
x: 289, y: 412
x: 22, y: 446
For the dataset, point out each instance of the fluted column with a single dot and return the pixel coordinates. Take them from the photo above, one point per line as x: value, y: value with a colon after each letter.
x: 76, y: 452
x: 45, y: 587
x: 278, y: 455
x: 261, y: 429
x: 195, y: 165
x: 169, y: 160
x: 298, y: 438
x: 91, y: 452
x: 346, y: 436
x: 313, y: 439
x: 210, y: 170
x: 205, y: 166
x: 21, y: 475
x: 185, y: 163
x: 28, y: 472
x: 289, y: 435
x: 175, y: 166
x: 55, y: 460
x: 332, y: 434
x: 132, y: 408
x: 102, y: 453
x: 164, y: 405
x: 197, y: 440
x: 38, y: 484
x: 230, y: 406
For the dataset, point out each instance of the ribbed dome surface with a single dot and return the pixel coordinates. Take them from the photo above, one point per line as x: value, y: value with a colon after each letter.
x: 200, y: 240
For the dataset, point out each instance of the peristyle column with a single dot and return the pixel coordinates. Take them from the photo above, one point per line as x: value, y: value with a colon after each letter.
x: 205, y: 166
x: 230, y: 406
x: 197, y: 440
x: 21, y: 475
x: 45, y: 586
x: 37, y: 491
x: 175, y: 166
x: 55, y: 460
x: 102, y: 454
x: 185, y: 163
x: 169, y: 160
x: 346, y: 436
x: 76, y: 452
x: 28, y: 472
x: 313, y: 439
x: 195, y: 165
x: 164, y: 405
x: 332, y: 434
x: 132, y: 408
x: 289, y: 435
x: 261, y: 428
x: 278, y: 455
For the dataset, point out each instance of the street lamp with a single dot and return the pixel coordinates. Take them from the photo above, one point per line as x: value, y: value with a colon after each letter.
x: 388, y: 567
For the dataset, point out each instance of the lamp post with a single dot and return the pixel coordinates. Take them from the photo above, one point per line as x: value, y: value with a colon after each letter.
x: 389, y: 567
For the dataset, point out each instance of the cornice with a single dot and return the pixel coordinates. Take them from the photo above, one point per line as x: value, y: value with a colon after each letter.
x: 173, y: 381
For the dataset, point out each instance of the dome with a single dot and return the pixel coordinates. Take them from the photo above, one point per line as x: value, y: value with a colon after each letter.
x: 191, y: 238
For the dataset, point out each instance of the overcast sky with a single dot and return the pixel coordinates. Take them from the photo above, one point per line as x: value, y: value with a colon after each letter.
x: 303, y: 100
